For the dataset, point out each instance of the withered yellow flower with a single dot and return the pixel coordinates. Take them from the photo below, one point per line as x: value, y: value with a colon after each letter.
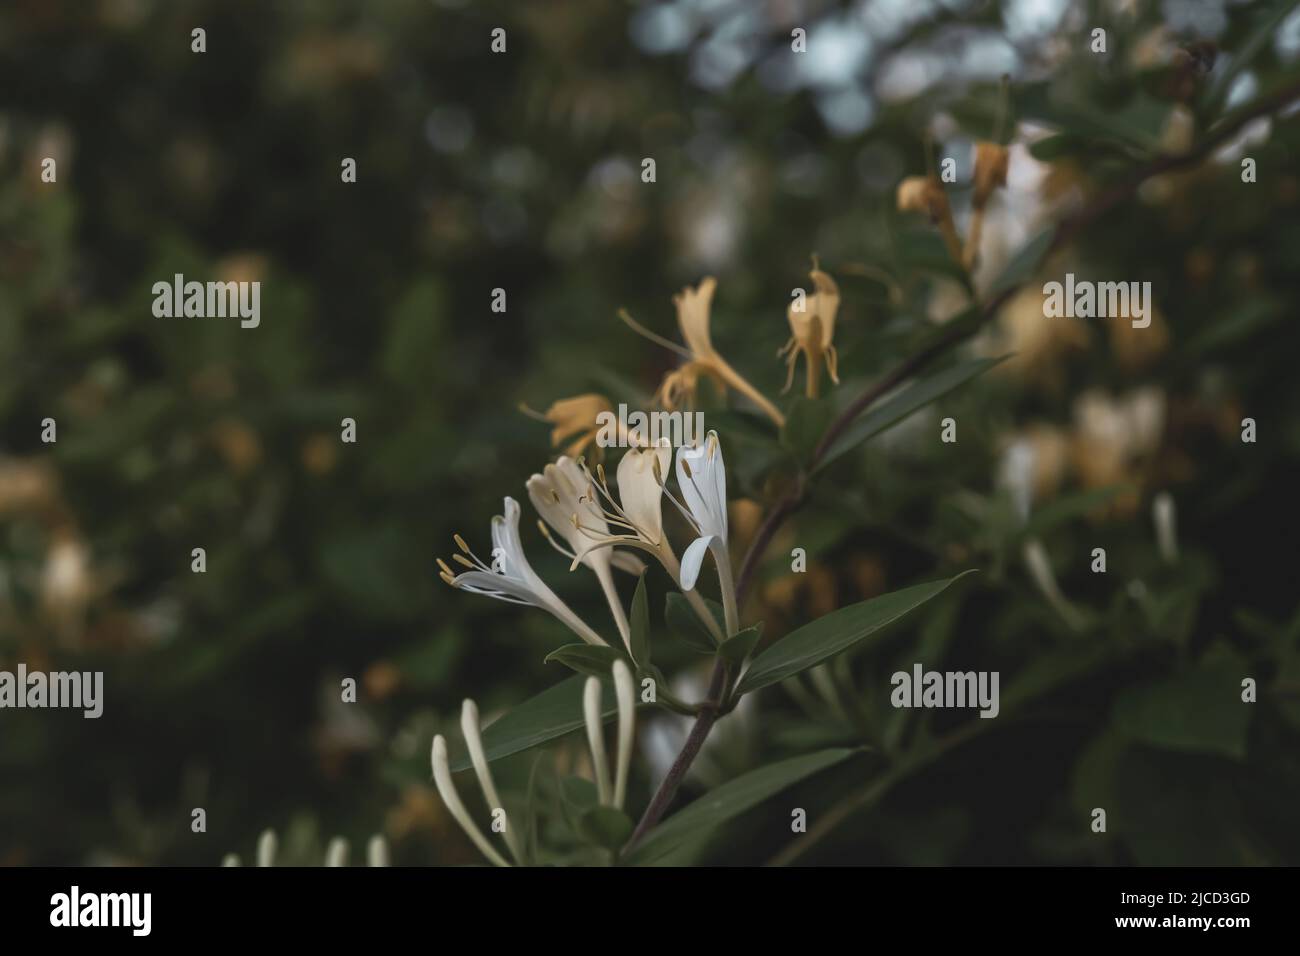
x: 812, y: 328
x: 925, y: 194
x: 990, y: 173
x: 991, y: 162
x: 575, y: 418
x: 681, y: 387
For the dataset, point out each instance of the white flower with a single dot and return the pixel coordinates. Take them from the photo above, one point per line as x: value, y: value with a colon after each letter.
x: 510, y: 577
x: 637, y: 512
x: 266, y: 846
x: 377, y: 851
x: 447, y: 790
x: 1162, y: 509
x: 469, y: 725
x: 564, y: 497
x: 336, y: 854
x: 702, y: 480
x: 591, y: 694
x: 626, y: 696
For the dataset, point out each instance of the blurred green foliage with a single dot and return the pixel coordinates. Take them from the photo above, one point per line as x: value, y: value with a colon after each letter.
x: 521, y: 171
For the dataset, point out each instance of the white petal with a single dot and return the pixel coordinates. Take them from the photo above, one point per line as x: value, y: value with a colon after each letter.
x: 693, y: 559
x: 704, y: 488
x: 640, y: 492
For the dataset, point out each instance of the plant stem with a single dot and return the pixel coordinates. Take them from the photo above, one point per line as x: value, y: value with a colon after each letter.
x: 1065, y: 231
x: 709, y: 709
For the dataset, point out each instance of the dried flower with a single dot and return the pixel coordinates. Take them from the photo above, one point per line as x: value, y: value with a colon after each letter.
x: 812, y: 327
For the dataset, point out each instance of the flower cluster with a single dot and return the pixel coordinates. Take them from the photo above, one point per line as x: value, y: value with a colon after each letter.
x: 588, y: 522
x: 611, y: 792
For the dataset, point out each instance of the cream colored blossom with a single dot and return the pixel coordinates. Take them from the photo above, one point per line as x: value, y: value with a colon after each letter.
x: 812, y: 328
x: 681, y: 386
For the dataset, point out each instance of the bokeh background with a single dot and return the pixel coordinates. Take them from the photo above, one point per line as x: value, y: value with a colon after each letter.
x: 521, y: 171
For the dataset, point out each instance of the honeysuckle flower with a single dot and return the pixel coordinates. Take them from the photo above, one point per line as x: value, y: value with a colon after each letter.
x: 266, y: 847
x: 1115, y: 441
x: 1162, y: 510
x: 591, y: 694
x: 377, y: 851
x: 1044, y: 578
x: 1017, y: 476
x: 574, y: 418
x: 991, y: 161
x: 469, y: 725
x: 510, y: 577
x: 336, y: 854
x: 702, y: 359
x: 625, y: 694
x: 447, y: 790
x: 609, y: 793
x: 925, y: 194
x: 812, y: 327
x: 990, y: 174
x: 702, y: 480
x: 635, y: 519
x: 564, y: 497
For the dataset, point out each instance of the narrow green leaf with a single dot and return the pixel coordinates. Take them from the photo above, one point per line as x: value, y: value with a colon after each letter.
x: 552, y: 713
x: 640, y: 625
x: 686, y: 624
x: 836, y: 632
x: 592, y: 659
x: 1023, y: 263
x: 606, y: 827
x: 1197, y: 711
x: 730, y: 800
x: 1266, y: 23
x: 911, y: 399
x: 738, y: 647
x: 1065, y: 509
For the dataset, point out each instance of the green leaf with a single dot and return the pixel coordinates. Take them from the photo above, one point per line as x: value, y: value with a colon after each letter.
x: 593, y: 659
x: 1266, y: 23
x: 686, y: 624
x: 1198, y: 711
x: 805, y: 425
x: 1054, y: 147
x: 1135, y: 124
x: 739, y: 426
x: 730, y: 800
x: 607, y: 827
x: 738, y: 647
x: 836, y: 632
x: 911, y: 399
x: 923, y: 250
x: 552, y: 713
x: 1024, y: 263
x: 640, y: 625
x: 1065, y: 509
